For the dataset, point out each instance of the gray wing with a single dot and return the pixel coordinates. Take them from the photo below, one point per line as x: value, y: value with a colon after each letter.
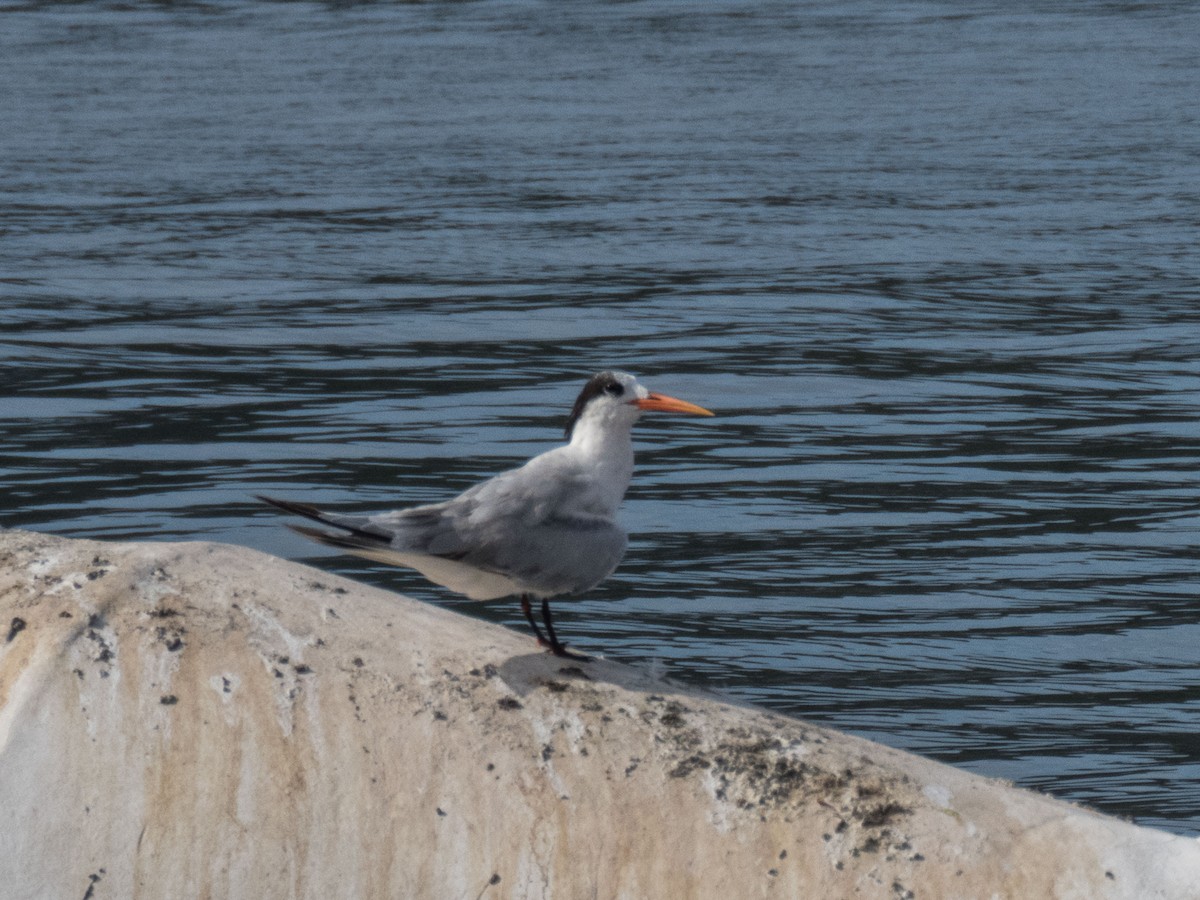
x: 527, y: 530
x: 520, y: 524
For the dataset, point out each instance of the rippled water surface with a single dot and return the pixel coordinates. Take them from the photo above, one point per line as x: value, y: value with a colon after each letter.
x: 933, y: 265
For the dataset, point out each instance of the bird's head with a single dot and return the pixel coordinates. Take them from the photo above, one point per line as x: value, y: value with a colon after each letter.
x: 612, y: 400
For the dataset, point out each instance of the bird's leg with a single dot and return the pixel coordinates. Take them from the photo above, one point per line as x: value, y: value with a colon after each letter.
x: 528, y: 610
x: 555, y: 647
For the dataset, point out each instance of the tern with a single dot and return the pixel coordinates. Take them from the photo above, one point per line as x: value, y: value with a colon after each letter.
x: 546, y: 529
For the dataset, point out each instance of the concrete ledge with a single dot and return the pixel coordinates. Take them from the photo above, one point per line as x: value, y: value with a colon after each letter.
x: 201, y: 720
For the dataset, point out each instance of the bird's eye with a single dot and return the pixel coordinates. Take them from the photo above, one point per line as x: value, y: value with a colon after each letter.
x: 615, y: 389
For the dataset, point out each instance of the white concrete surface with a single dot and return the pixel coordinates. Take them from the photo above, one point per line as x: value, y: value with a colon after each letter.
x: 200, y: 720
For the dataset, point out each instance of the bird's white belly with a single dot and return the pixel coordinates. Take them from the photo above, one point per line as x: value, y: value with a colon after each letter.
x: 471, y: 582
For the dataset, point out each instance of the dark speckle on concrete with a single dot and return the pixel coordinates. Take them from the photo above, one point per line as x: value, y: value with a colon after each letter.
x: 883, y: 814
x: 689, y: 765
x: 509, y: 703
x: 93, y: 879
x: 168, y: 700
x: 15, y: 628
x: 105, y: 653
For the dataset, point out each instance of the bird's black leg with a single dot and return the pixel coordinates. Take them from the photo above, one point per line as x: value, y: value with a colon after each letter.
x: 528, y: 610
x: 555, y: 647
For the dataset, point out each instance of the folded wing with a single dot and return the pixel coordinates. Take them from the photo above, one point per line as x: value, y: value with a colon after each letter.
x: 498, y: 539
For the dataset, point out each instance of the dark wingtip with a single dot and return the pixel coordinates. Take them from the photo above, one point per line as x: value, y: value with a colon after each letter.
x: 356, y: 540
x: 359, y: 534
x: 291, y: 506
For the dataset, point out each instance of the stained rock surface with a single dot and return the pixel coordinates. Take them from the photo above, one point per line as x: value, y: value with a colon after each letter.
x: 202, y: 720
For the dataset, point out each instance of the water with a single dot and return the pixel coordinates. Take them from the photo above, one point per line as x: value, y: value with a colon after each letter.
x: 933, y: 264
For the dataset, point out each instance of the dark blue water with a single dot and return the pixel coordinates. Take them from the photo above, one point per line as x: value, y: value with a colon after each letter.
x: 933, y: 264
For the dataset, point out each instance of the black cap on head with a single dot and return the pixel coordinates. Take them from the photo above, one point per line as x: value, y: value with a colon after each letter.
x: 600, y: 383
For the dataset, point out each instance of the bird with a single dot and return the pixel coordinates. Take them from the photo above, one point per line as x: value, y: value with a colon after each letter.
x: 546, y: 529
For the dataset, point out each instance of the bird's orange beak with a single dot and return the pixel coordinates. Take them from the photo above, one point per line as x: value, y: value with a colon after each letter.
x: 663, y: 403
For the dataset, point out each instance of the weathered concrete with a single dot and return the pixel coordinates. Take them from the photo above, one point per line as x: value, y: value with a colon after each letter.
x: 199, y: 720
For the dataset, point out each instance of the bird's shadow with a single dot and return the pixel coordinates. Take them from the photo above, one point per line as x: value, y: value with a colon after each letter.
x: 531, y: 672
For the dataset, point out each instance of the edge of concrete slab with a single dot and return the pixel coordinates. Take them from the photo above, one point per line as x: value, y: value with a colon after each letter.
x: 198, y: 719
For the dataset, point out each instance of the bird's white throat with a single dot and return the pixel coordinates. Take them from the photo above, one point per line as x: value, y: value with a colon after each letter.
x: 603, y: 445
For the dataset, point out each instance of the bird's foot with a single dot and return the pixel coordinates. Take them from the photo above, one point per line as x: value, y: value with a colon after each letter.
x: 561, y: 651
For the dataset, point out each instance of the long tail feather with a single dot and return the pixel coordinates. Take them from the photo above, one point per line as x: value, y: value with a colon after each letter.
x: 291, y: 506
x: 352, y: 541
x: 369, y: 535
